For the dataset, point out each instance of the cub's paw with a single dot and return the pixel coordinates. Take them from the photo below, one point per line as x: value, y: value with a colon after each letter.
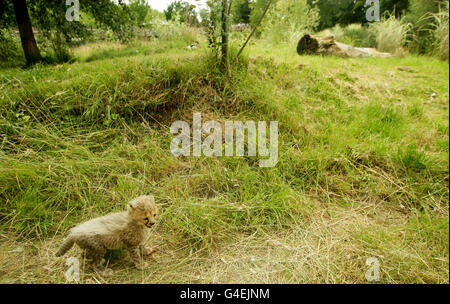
x: 108, y: 272
x: 104, y: 271
x: 147, y: 251
x: 141, y: 266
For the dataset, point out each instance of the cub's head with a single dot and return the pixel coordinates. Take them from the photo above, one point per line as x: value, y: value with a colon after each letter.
x: 143, y: 210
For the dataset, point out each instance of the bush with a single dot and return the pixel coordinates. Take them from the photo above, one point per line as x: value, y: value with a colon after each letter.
x: 391, y: 34
x: 53, y: 47
x: 440, y: 34
x: 10, y: 48
x: 434, y: 32
x: 421, y: 16
x: 175, y: 30
x: 288, y: 20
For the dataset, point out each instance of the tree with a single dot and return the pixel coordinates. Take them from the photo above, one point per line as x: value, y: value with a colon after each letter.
x: 225, y: 32
x: 257, y: 8
x: 216, y: 22
x: 29, y: 44
x: 182, y: 10
x: 345, y: 12
x: 211, y: 20
x: 49, y: 18
x: 138, y: 11
x: 241, y: 11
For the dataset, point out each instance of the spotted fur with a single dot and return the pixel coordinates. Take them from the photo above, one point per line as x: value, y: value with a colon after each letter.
x: 126, y: 229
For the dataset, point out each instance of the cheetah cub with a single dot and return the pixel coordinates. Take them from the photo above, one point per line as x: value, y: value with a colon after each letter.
x: 126, y: 229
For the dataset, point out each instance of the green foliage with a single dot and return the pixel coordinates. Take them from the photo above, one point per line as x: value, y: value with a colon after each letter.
x: 430, y: 27
x: 418, y: 26
x: 391, y: 33
x: 257, y: 9
x: 59, y: 46
x: 353, y: 34
x: 7, y: 17
x: 353, y: 150
x: 49, y: 19
x: 419, y: 8
x: 181, y: 11
x: 11, y: 52
x: 412, y: 159
x: 287, y: 20
x: 440, y: 45
x: 175, y: 31
x: 139, y: 9
x: 352, y: 12
x: 345, y: 12
x: 212, y: 23
x: 241, y: 11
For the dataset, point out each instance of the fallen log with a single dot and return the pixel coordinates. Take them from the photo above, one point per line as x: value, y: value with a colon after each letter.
x: 310, y: 45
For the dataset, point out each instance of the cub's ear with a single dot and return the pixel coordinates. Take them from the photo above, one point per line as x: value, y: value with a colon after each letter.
x: 135, y: 205
x: 132, y: 205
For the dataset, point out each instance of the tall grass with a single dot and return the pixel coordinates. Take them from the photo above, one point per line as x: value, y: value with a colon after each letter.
x: 391, y: 34
x: 175, y: 30
x: 440, y: 33
x: 430, y: 28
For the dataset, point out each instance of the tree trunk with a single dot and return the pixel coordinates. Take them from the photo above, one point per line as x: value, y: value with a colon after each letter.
x: 251, y: 34
x: 224, y: 35
x: 29, y: 45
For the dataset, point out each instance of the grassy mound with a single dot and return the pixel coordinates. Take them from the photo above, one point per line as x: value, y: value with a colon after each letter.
x: 363, y: 161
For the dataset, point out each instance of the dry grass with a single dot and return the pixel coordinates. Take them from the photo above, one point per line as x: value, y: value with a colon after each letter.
x: 330, y: 247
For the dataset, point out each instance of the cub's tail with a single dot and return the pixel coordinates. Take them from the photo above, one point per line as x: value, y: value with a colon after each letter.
x: 68, y: 243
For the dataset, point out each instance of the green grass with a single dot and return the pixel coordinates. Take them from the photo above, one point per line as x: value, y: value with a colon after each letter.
x: 362, y: 172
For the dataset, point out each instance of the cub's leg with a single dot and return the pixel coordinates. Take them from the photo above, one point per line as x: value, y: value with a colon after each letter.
x: 94, y: 252
x: 95, y: 257
x: 136, y: 256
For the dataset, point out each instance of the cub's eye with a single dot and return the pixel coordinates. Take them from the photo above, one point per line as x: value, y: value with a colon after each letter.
x: 155, y: 215
x: 146, y: 219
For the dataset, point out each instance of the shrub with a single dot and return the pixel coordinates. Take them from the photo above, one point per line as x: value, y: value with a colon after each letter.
x: 288, y: 20
x: 391, y: 34
x: 421, y: 16
x: 175, y: 30
x: 439, y: 33
x: 10, y: 48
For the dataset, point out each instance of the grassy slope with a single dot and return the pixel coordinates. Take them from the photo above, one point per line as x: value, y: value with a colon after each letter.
x: 363, y: 169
